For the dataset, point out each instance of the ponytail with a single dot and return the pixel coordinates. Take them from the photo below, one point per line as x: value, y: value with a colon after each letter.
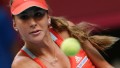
x: 82, y: 32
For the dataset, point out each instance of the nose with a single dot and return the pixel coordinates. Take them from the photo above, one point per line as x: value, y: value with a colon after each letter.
x: 33, y: 24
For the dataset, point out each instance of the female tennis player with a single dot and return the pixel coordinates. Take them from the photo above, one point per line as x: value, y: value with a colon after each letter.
x: 43, y: 35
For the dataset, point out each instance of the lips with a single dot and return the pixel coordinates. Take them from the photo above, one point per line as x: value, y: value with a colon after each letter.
x: 36, y: 32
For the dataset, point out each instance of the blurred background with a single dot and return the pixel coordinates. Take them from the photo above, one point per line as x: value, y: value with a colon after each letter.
x: 105, y: 13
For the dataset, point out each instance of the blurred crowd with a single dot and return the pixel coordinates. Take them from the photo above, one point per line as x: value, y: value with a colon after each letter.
x: 7, y: 37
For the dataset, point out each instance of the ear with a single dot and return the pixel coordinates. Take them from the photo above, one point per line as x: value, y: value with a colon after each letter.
x: 48, y: 16
x: 15, y: 26
x: 49, y: 20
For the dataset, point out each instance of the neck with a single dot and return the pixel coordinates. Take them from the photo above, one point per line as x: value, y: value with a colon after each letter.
x: 45, y: 48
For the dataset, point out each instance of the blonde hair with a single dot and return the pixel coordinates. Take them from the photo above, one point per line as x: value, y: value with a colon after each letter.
x: 82, y: 32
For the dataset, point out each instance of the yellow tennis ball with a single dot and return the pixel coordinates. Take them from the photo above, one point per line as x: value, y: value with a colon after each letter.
x: 70, y: 46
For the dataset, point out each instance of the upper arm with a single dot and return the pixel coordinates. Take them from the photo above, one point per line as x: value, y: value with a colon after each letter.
x: 70, y: 23
x: 94, y: 55
x: 24, y: 62
x: 96, y: 58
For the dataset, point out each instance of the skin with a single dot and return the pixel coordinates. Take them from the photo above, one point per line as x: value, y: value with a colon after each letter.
x: 42, y: 46
x: 93, y: 54
x: 39, y: 44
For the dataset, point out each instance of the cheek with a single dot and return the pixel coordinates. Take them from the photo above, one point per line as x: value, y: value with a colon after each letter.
x: 23, y: 30
x: 44, y: 24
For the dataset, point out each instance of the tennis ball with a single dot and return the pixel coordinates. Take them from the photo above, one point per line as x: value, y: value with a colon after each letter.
x: 70, y: 46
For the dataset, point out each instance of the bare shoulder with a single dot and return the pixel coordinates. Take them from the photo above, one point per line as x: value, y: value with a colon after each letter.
x: 24, y: 62
x: 65, y: 34
x: 70, y: 23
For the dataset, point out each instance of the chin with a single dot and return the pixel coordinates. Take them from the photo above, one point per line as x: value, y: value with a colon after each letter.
x: 37, y: 40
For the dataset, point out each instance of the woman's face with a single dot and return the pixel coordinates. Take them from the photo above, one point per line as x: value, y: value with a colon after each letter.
x: 32, y: 24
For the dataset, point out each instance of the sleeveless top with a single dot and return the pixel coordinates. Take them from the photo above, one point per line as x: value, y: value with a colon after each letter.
x: 78, y: 61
